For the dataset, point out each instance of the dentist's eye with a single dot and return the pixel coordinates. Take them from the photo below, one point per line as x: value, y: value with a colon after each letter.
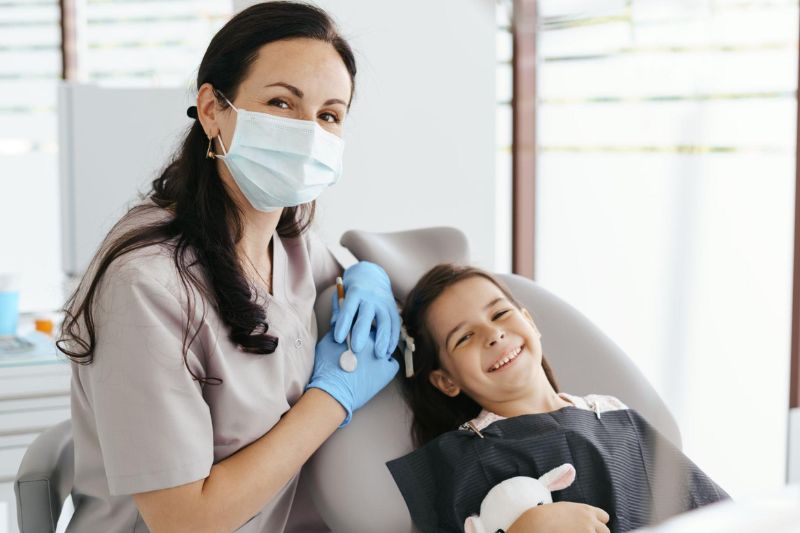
x: 277, y: 102
x: 500, y: 313
x: 330, y: 117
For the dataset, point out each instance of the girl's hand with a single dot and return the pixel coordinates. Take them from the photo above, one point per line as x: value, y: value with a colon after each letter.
x: 561, y: 517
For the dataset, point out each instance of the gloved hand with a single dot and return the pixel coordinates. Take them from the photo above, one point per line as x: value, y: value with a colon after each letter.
x: 367, y: 289
x: 351, y: 389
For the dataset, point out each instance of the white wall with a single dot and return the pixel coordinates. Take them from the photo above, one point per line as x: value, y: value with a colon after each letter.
x: 420, y: 135
x: 794, y: 447
x: 96, y: 189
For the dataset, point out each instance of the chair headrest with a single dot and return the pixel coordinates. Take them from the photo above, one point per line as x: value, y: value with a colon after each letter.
x: 407, y: 255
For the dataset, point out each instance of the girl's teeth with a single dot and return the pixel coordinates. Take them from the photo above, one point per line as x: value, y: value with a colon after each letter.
x: 505, y: 360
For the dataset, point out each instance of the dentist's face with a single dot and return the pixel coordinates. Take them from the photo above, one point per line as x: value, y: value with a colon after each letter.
x: 303, y: 79
x: 488, y: 348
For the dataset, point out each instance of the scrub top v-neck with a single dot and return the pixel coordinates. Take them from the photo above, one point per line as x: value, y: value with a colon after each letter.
x: 142, y: 422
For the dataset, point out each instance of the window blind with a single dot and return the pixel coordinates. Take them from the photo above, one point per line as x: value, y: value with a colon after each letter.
x: 148, y: 42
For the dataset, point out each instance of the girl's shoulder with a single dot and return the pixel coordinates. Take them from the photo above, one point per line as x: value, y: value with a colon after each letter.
x: 599, y: 403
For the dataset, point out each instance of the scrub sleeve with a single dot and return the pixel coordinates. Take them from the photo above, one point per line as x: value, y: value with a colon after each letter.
x: 141, y: 422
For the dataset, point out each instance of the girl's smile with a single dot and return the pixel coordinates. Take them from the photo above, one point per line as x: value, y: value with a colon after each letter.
x: 506, y: 359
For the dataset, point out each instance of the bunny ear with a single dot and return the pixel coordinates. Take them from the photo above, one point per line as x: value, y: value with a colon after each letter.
x: 473, y: 524
x: 559, y: 478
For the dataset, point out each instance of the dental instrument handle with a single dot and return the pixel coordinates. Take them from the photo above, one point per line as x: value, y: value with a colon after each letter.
x: 347, y: 361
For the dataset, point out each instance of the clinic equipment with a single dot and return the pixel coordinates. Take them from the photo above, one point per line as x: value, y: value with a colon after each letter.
x: 12, y: 345
x: 347, y: 361
x: 9, y: 304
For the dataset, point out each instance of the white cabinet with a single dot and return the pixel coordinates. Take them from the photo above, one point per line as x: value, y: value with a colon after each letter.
x: 34, y: 395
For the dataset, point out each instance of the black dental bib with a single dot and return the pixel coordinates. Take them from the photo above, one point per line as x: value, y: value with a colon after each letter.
x: 624, y: 466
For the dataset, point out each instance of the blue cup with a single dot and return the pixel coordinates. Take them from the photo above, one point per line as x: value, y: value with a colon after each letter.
x: 9, y: 305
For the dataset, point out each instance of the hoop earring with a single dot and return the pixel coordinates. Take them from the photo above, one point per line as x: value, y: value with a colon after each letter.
x: 210, y: 154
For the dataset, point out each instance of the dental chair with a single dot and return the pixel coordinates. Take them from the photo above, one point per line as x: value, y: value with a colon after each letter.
x: 44, y: 479
x: 347, y: 478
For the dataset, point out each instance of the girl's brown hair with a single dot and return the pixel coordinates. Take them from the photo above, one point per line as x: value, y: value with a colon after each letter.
x: 435, y: 412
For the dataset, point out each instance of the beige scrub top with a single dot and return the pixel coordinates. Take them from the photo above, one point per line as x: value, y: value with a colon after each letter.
x: 141, y: 422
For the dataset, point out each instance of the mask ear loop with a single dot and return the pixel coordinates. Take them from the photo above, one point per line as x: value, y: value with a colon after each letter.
x: 219, y: 93
x: 222, y: 144
x: 210, y: 153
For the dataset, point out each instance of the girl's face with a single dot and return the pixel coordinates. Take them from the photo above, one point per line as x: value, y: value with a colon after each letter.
x: 488, y: 347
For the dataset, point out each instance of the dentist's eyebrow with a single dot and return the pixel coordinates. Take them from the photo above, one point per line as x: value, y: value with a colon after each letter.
x: 300, y: 94
x: 291, y: 88
x: 461, y: 325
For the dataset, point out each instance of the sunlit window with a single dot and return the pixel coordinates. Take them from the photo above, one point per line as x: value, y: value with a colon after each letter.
x: 665, y: 205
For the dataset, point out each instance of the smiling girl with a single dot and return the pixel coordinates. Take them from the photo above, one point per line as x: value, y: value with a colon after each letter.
x: 486, y: 407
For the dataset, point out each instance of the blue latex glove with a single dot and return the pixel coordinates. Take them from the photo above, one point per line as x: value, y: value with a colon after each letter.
x: 351, y: 389
x: 368, y: 291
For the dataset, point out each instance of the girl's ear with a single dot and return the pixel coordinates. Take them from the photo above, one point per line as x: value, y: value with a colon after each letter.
x: 528, y: 316
x: 441, y: 380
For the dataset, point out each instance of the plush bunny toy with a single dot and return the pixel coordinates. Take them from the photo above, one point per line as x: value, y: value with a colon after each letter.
x: 509, y: 499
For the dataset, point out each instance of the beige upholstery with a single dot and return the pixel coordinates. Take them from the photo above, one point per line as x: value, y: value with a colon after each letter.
x: 407, y: 255
x: 44, y: 479
x: 348, y: 480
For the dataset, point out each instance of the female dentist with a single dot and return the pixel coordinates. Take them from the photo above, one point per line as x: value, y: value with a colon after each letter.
x: 197, y: 394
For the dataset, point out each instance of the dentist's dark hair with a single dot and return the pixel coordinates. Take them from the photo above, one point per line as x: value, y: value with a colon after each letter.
x: 433, y: 411
x: 204, y: 223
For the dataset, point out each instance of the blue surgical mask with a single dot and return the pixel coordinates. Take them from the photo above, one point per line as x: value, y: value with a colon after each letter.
x: 281, y: 162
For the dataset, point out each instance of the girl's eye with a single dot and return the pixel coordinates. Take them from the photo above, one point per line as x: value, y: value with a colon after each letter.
x: 500, y: 313
x: 462, y: 340
x: 277, y: 102
x: 329, y: 117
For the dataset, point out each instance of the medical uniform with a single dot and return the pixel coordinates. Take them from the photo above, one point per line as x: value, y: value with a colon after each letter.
x: 141, y: 422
